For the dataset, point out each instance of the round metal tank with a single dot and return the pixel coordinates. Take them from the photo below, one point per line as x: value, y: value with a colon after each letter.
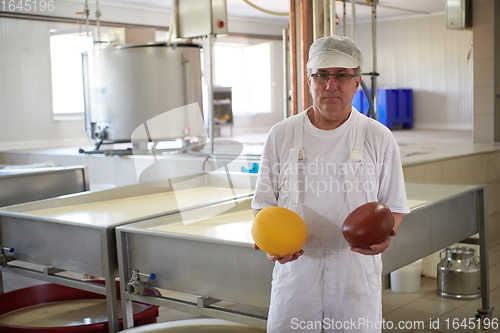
x: 127, y: 86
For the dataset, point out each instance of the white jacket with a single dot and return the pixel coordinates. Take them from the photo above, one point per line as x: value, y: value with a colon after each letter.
x: 323, y: 176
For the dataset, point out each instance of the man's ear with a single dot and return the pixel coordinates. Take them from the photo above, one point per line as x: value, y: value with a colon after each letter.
x: 358, y: 81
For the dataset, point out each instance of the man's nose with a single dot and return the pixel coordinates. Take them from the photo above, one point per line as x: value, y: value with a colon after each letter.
x: 331, y: 84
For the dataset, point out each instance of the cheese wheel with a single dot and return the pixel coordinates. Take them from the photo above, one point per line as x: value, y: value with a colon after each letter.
x: 279, y: 231
x: 368, y: 224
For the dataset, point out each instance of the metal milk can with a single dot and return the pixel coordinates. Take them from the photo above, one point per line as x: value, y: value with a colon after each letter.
x: 458, y: 274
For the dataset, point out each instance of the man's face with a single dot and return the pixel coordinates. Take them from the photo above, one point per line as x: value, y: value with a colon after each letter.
x: 333, y: 96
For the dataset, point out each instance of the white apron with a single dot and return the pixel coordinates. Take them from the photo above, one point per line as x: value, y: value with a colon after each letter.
x: 329, y: 288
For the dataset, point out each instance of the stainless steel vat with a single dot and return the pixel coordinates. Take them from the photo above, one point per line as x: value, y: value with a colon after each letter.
x: 127, y: 86
x: 24, y: 185
x: 230, y: 270
x: 77, y: 232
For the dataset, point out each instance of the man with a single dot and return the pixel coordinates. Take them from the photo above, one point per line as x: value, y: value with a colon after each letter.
x: 323, y: 163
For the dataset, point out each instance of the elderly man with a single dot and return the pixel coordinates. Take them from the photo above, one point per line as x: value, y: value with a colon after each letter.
x: 322, y: 164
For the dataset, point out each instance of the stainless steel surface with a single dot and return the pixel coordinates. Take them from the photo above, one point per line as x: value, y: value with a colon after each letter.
x: 76, y: 232
x: 221, y: 265
x: 127, y: 86
x: 459, y: 274
x: 24, y: 185
x: 230, y: 270
x: 223, y: 252
x: 447, y: 214
x: 72, y: 232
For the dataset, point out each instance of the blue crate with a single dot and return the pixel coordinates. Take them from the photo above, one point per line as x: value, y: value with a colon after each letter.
x: 395, y: 106
x: 405, y: 104
x: 388, y: 113
x: 357, y: 100
x: 360, y: 102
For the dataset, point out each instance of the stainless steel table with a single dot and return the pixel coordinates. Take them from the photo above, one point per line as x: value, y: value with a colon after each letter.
x: 77, y: 232
x: 213, y: 257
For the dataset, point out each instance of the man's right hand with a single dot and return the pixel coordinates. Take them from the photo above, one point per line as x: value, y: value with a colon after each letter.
x: 283, y: 260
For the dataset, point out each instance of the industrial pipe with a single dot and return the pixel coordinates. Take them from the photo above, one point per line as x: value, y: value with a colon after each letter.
x: 333, y: 18
x: 293, y: 58
x: 305, y: 42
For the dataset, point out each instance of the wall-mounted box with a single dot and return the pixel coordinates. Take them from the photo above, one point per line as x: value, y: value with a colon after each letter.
x: 459, y: 14
x: 201, y: 18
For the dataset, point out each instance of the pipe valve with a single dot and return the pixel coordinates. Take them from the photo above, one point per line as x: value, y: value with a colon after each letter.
x: 139, y: 282
x: 6, y: 255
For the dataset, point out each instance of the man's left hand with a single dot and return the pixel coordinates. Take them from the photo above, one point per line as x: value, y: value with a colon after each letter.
x: 375, y: 248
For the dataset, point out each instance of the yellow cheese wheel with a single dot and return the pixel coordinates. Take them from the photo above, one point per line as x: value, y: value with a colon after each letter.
x: 279, y: 231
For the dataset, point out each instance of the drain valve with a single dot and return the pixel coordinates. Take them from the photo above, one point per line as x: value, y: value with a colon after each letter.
x: 6, y: 255
x: 139, y: 282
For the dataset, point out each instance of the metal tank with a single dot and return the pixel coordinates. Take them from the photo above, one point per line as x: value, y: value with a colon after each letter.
x: 129, y: 85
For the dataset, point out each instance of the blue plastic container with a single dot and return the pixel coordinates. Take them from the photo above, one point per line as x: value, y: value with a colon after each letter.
x: 357, y: 100
x: 406, y: 106
x: 360, y: 102
x: 395, y: 106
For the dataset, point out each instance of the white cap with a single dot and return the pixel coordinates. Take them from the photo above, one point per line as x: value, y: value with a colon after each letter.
x: 334, y: 51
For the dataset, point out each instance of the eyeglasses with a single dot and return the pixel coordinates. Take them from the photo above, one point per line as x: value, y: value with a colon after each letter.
x: 338, y: 77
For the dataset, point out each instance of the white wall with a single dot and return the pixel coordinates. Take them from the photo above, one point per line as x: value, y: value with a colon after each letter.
x: 26, y: 120
x: 421, y: 54
x: 417, y: 53
x: 25, y: 89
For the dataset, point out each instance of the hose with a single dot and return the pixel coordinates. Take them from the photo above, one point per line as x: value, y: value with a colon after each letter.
x: 371, y: 107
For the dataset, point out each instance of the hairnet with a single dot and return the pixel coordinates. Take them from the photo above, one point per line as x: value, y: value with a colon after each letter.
x: 334, y: 51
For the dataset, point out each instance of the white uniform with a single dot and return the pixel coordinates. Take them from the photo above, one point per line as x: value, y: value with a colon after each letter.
x: 323, y: 176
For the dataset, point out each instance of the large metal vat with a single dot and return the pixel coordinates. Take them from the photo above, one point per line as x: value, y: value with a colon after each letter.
x: 127, y: 86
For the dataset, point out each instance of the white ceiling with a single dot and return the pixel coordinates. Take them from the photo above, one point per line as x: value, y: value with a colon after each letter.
x: 386, y: 8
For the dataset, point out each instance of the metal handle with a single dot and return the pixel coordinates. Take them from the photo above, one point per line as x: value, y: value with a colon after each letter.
x: 471, y: 259
x: 440, y: 254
